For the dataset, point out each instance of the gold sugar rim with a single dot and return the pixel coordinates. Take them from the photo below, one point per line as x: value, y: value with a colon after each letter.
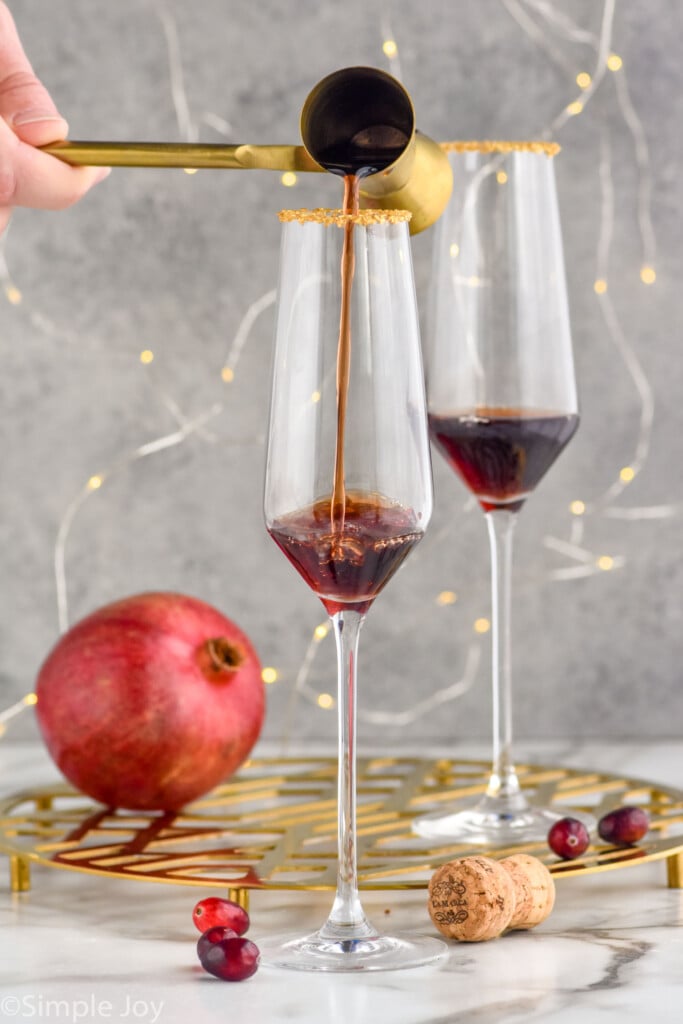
x: 492, y: 146
x: 338, y: 218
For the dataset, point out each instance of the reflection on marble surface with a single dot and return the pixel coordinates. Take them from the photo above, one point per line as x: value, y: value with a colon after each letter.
x: 84, y: 948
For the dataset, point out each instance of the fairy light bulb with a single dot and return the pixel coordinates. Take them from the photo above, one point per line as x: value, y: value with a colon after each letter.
x: 648, y: 275
x: 227, y: 374
x: 269, y: 675
x: 146, y: 356
x: 575, y: 108
x: 501, y: 177
x: 627, y: 474
x: 13, y: 294
x: 446, y: 597
x: 482, y: 625
x: 389, y: 48
x: 190, y: 170
x: 321, y: 631
x: 583, y: 80
x: 325, y: 701
x: 614, y: 62
x: 94, y: 483
x: 605, y: 562
x: 31, y: 699
x: 577, y: 508
x: 289, y: 179
x: 600, y: 286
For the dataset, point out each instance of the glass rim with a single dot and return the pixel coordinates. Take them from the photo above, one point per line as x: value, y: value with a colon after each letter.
x: 341, y: 218
x: 501, y: 146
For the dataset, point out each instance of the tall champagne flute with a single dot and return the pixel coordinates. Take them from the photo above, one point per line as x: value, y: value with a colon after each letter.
x: 348, y: 490
x: 502, y: 404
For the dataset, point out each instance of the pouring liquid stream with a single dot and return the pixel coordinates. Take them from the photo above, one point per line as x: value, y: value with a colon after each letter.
x: 369, y: 151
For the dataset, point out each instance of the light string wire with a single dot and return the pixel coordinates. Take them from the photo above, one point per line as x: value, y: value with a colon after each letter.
x: 586, y: 562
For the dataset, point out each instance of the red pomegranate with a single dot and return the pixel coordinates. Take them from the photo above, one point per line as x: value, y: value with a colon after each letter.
x: 150, y: 702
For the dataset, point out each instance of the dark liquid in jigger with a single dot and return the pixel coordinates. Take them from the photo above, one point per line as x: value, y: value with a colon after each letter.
x: 369, y: 151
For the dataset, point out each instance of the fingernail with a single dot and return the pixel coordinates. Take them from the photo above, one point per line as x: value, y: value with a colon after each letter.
x: 35, y: 117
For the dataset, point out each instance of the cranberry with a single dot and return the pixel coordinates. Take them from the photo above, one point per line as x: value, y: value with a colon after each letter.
x: 211, y: 936
x: 231, y: 959
x: 568, y: 838
x: 214, y: 912
x: 624, y: 826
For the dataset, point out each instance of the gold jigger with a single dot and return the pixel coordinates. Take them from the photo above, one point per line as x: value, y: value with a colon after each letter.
x: 355, y: 107
x: 337, y: 109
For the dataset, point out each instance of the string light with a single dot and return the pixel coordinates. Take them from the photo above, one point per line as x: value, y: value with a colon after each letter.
x: 289, y: 179
x: 577, y: 508
x: 600, y: 286
x: 94, y: 483
x: 13, y: 294
x: 227, y: 374
x: 325, y: 701
x: 481, y: 625
x: 146, y: 356
x: 501, y: 177
x: 614, y: 62
x: 583, y: 80
x: 648, y: 275
x: 269, y: 675
x: 627, y: 474
x: 389, y: 42
x: 574, y: 108
x: 605, y: 562
x: 446, y: 597
x: 190, y: 170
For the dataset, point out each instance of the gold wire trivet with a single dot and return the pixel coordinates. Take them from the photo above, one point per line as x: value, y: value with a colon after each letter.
x: 274, y: 826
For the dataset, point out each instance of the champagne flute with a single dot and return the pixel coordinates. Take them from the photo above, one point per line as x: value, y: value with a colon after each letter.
x: 502, y: 405
x: 348, y: 491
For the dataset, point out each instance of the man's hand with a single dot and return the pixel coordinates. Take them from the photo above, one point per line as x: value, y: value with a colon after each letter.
x: 29, y: 118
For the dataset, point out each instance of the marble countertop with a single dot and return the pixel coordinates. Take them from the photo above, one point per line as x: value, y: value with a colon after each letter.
x: 87, y: 948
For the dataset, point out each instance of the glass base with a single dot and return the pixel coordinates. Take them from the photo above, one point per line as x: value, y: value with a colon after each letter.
x: 492, y: 822
x: 374, y: 953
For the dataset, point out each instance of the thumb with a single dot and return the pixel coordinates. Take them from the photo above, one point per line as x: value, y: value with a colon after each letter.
x: 25, y: 104
x: 27, y: 108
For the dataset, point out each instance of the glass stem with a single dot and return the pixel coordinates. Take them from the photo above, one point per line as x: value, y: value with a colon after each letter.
x: 347, y: 920
x: 503, y: 788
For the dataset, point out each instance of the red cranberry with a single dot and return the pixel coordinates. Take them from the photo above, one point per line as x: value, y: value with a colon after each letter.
x: 568, y: 838
x: 231, y: 959
x: 214, y: 912
x: 624, y: 826
x: 211, y: 936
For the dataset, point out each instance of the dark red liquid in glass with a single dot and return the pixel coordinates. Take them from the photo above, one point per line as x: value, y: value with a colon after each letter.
x: 501, y: 454
x: 348, y: 567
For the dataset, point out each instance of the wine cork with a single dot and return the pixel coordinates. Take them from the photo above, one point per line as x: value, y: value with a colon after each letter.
x: 472, y: 899
x: 534, y: 890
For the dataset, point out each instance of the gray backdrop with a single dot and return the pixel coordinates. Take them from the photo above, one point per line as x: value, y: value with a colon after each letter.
x: 173, y: 263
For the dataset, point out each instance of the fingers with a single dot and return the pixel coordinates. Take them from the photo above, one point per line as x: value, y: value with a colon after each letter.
x: 25, y: 103
x: 29, y: 177
x: 29, y: 118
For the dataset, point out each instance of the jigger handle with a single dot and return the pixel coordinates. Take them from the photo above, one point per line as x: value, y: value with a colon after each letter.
x: 183, y: 154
